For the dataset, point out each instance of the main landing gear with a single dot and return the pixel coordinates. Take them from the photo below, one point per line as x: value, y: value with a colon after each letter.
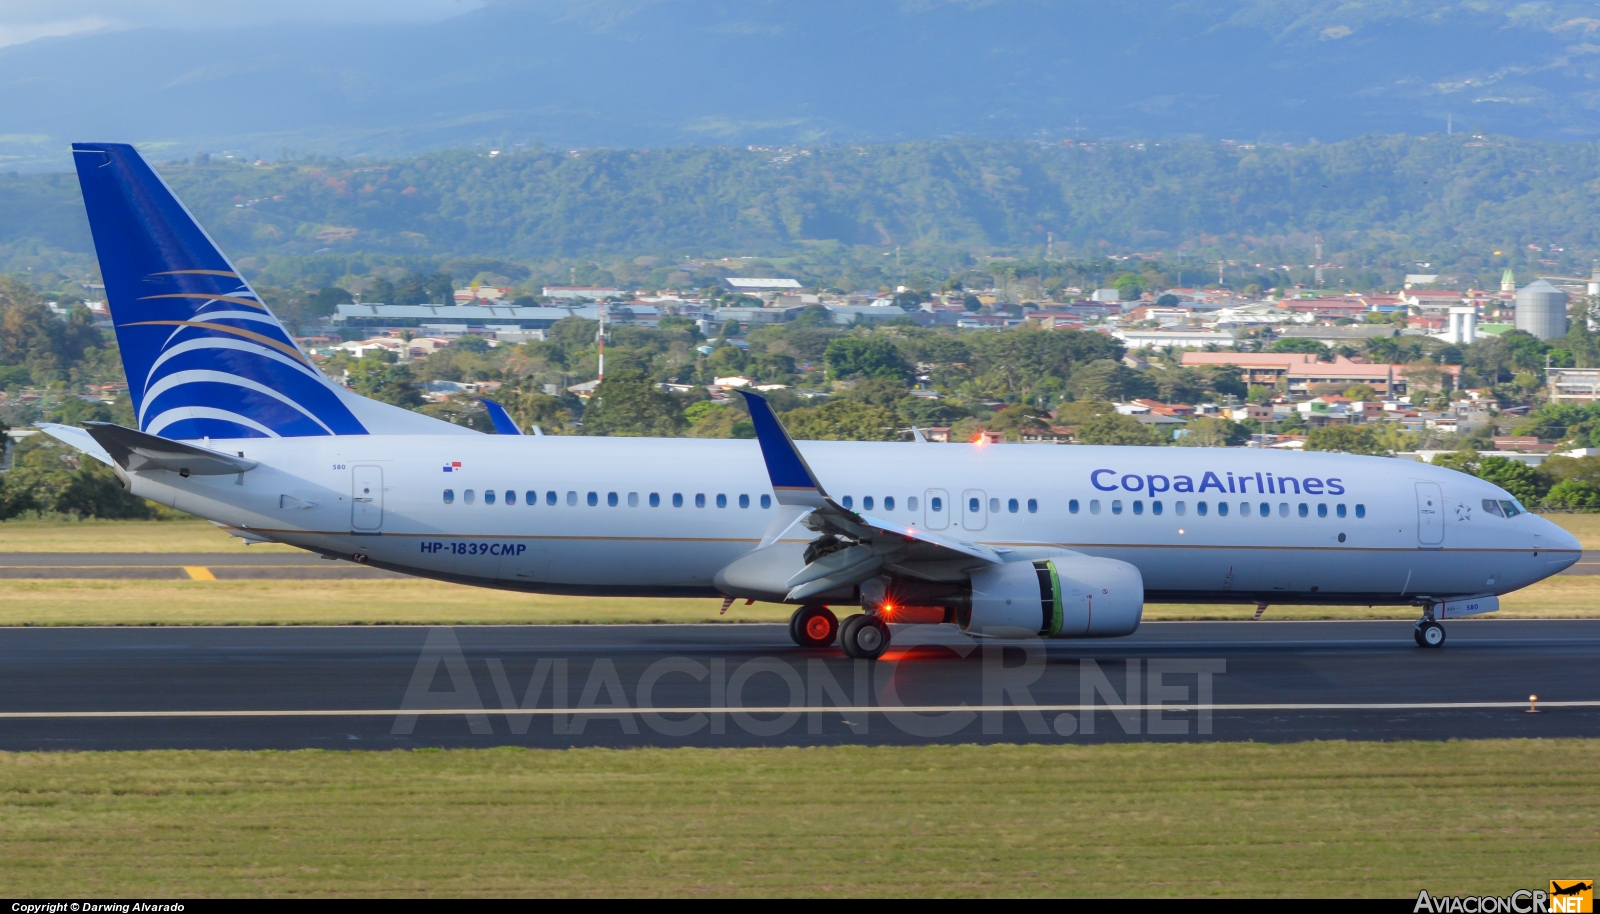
x: 861, y: 636
x: 864, y: 637
x: 813, y: 626
x: 1428, y: 631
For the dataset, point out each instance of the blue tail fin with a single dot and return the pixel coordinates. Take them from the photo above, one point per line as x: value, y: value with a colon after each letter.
x: 204, y: 356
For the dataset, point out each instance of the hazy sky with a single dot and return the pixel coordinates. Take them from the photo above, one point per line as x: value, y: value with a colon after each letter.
x: 26, y: 20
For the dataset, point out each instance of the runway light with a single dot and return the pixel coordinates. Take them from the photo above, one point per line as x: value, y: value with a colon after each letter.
x: 1533, y: 704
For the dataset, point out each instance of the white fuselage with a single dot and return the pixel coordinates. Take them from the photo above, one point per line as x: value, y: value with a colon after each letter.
x: 662, y: 516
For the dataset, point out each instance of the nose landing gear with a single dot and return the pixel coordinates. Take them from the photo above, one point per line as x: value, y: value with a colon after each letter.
x: 1428, y: 632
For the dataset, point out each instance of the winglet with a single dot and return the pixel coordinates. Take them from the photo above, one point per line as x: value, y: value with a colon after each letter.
x: 792, y: 480
x: 503, y: 423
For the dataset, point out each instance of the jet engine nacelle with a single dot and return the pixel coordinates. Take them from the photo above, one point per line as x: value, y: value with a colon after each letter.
x: 1077, y: 596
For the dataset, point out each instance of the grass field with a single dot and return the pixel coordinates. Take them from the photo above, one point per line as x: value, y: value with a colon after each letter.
x: 1301, y: 820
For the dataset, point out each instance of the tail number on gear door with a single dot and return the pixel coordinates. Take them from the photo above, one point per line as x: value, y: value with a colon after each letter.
x: 472, y: 547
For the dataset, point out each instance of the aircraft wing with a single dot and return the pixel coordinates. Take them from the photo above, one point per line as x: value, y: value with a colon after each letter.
x: 851, y: 547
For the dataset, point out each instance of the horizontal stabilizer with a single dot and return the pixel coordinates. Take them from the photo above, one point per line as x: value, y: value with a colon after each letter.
x: 136, y: 451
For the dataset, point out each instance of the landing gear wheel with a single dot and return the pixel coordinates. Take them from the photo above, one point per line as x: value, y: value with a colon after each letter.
x: 864, y: 637
x: 1429, y: 634
x: 813, y: 626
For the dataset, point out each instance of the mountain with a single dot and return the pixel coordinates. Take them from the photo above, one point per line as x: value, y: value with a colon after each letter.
x: 648, y: 73
x: 1471, y: 203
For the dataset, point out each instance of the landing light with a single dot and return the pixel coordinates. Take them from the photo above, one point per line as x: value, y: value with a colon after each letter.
x: 1180, y: 531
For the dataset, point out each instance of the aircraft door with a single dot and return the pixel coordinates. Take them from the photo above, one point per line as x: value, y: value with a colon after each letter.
x: 1430, y: 514
x: 936, y: 509
x: 366, y: 497
x: 974, y: 510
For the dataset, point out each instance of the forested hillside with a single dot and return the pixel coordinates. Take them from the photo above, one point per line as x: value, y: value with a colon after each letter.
x: 1450, y: 201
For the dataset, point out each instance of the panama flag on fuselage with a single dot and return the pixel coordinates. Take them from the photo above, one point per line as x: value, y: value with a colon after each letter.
x: 205, y: 358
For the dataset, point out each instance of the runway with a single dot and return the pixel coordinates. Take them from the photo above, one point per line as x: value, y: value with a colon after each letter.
x: 743, y: 685
x: 225, y: 566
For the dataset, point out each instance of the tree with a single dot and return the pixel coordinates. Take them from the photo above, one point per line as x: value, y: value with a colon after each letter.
x: 842, y: 420
x: 1573, y: 493
x: 1210, y: 431
x: 385, y: 381
x: 93, y: 491
x: 1128, y: 286
x: 1298, y: 344
x: 628, y: 404
x: 1115, y: 428
x: 1106, y: 379
x: 1168, y: 300
x: 864, y: 357
x: 971, y: 303
x: 1345, y: 439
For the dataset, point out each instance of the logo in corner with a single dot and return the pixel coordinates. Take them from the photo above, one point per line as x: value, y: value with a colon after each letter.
x: 1572, y: 896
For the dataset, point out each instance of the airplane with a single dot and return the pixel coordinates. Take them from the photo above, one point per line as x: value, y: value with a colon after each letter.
x: 237, y: 425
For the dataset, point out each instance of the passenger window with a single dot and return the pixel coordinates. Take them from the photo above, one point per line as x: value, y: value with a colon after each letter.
x: 1489, y: 505
x: 700, y: 499
x: 1200, y: 508
x: 633, y: 499
x: 911, y: 503
x: 1266, y: 509
x: 593, y: 499
x: 972, y: 506
x: 1361, y: 510
x: 1244, y: 509
x: 450, y: 497
x: 611, y: 499
x: 936, y: 504
x: 1305, y: 510
x: 866, y: 503
x: 848, y: 502
x: 1283, y: 509
x: 467, y: 496
x: 677, y: 499
x: 1072, y: 506
x: 744, y: 501
x: 1094, y: 506
x: 1116, y: 506
x: 572, y: 498
x: 532, y: 498
x: 655, y: 499
x: 1033, y: 506
x: 722, y: 500
x: 888, y: 503
x: 550, y: 497
x: 994, y: 506
x: 1322, y: 509
x: 1155, y: 507
x: 1180, y: 508
x: 1138, y: 506
x: 488, y: 496
x: 766, y: 501
x: 1222, y: 509
x: 1341, y: 510
x: 1011, y: 505
x: 511, y: 497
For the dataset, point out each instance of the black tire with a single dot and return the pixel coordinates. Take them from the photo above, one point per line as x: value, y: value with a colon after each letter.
x: 1430, y: 634
x: 814, y: 626
x: 847, y: 630
x: 1416, y: 635
x: 867, y: 639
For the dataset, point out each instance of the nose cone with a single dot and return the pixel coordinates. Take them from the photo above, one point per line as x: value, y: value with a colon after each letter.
x: 1565, y: 549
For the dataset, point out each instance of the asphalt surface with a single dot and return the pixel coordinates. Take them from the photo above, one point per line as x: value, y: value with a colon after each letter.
x: 740, y: 685
x: 224, y: 566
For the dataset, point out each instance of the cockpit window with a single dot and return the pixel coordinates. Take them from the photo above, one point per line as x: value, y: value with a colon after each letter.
x: 1511, y: 508
x: 1493, y: 507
